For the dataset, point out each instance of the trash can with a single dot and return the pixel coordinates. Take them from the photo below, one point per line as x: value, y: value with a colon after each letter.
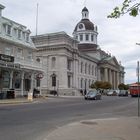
x: 11, y: 94
x: 1, y: 95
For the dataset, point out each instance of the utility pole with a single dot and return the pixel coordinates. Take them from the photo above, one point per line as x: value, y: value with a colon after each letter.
x: 138, y: 88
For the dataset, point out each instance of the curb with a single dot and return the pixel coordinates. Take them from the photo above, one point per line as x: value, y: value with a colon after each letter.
x: 14, y: 101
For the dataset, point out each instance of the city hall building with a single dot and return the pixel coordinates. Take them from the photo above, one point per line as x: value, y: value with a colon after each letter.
x: 72, y: 64
x: 19, y: 69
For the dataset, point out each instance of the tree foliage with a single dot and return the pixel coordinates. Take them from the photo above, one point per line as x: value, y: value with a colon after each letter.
x: 128, y: 6
x: 101, y: 85
x: 122, y: 86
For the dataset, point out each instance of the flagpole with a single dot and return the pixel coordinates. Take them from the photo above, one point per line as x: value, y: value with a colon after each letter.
x: 37, y: 20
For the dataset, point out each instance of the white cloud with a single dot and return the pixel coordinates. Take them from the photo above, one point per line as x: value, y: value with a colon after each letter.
x: 116, y: 36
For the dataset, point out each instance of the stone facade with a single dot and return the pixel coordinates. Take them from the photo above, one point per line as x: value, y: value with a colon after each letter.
x: 73, y: 64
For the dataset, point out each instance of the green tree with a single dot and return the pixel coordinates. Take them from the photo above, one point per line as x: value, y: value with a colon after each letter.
x: 121, y: 86
x: 97, y: 85
x: 106, y: 85
x: 126, y: 87
x: 101, y: 85
x: 128, y: 6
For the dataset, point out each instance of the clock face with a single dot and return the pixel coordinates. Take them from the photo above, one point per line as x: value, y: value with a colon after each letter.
x: 80, y: 26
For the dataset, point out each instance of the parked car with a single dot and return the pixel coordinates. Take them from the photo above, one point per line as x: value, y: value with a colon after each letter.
x: 93, y: 95
x: 123, y: 93
x: 111, y: 93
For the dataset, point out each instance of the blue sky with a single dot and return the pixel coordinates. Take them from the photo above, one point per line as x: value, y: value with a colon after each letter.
x: 116, y: 36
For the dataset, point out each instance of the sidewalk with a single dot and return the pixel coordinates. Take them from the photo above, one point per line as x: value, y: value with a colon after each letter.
x: 99, y: 129
x: 15, y: 101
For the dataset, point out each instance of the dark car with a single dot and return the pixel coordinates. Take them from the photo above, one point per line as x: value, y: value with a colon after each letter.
x: 123, y: 93
x: 93, y: 95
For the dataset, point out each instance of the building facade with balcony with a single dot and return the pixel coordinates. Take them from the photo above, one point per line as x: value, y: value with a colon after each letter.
x: 19, y: 69
x: 74, y: 63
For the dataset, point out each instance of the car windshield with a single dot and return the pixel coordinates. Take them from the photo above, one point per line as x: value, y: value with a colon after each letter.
x: 91, y: 93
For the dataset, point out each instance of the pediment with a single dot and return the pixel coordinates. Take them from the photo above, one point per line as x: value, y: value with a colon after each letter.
x: 113, y: 61
x: 110, y: 61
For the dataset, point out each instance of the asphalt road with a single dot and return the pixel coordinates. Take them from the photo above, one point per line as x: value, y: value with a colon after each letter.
x: 34, y: 121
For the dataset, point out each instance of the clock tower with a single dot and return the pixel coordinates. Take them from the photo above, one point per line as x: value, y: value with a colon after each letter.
x: 85, y: 31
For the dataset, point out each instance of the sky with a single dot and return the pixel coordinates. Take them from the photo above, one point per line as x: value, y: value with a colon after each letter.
x: 117, y: 37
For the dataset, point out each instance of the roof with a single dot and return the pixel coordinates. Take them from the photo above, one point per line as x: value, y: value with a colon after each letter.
x: 88, y: 24
x: 87, y: 47
x: 134, y: 84
x: 84, y: 9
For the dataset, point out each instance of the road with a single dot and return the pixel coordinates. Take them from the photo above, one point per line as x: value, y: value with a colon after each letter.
x: 34, y: 121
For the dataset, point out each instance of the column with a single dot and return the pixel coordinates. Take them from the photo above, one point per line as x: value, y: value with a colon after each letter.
x: 118, y: 81
x: 11, y: 79
x: 22, y: 83
x: 110, y: 76
x: 113, y: 81
x: 106, y: 74
x: 32, y: 82
x: 98, y: 74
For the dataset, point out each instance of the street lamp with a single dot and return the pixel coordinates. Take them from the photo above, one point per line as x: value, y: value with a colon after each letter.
x: 137, y: 43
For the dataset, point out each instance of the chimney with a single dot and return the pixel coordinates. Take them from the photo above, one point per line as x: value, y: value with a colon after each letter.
x: 1, y: 8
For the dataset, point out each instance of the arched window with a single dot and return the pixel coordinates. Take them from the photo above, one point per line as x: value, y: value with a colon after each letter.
x: 53, y: 80
x: 53, y: 62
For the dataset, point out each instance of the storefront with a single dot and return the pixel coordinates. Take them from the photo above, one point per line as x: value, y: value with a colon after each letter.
x: 15, y: 76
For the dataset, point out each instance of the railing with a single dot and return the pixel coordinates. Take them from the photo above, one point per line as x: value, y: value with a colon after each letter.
x: 28, y: 63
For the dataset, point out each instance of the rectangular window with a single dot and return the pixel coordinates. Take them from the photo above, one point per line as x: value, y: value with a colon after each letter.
x: 92, y: 38
x: 38, y: 82
x: 53, y: 81
x: 87, y: 37
x: 92, y: 70
x: 30, y: 55
x: 68, y: 64
x: 15, y: 33
x: 9, y: 29
x: 23, y: 35
x: 27, y: 37
x: 19, y: 34
x: 4, y: 28
x: 19, y: 53
x: 8, y: 51
x: 95, y: 71
x: 81, y: 37
x: 81, y: 83
x: 81, y: 67
x: 69, y: 81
